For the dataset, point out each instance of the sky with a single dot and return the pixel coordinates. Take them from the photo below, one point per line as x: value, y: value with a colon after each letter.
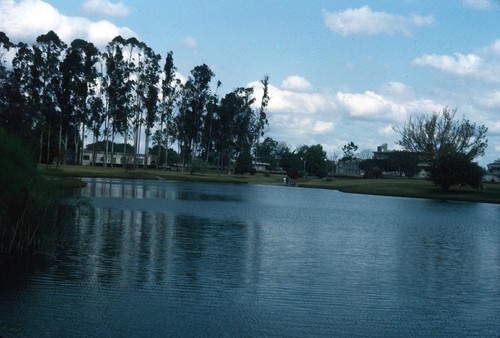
x: 339, y: 71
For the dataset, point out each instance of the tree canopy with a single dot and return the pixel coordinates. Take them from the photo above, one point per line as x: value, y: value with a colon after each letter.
x: 448, y: 146
x: 432, y: 136
x: 53, y: 91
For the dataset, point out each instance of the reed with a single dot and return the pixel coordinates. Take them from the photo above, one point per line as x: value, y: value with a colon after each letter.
x: 30, y: 216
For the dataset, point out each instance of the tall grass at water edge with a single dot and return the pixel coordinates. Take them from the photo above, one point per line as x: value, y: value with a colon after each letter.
x: 30, y: 216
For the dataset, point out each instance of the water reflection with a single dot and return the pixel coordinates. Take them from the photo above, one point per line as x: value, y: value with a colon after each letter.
x: 182, y: 259
x: 142, y: 189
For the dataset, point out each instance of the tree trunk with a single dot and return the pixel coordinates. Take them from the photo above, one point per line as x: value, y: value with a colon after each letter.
x: 146, y: 149
x: 112, y: 148
x: 77, y: 145
x: 166, y: 150
x: 41, y: 147
x: 48, y: 143
x: 65, y: 146
x: 60, y: 144
x: 106, y: 138
x: 83, y: 143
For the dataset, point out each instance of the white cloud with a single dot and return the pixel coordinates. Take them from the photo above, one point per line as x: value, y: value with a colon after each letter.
x: 483, y: 64
x: 322, y: 127
x: 190, y: 42
x: 297, y: 83
x: 27, y: 19
x: 293, y: 101
x: 477, y: 4
x: 490, y: 100
x: 459, y: 64
x: 370, y: 105
x: 332, y: 118
x: 495, y: 48
x: 423, y: 106
x: 363, y: 20
x: 105, y: 7
x: 386, y: 130
x: 397, y: 90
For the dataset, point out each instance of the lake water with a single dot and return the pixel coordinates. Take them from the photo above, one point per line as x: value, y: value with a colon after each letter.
x: 158, y: 258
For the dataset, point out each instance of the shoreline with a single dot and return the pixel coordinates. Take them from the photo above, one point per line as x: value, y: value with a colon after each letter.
x: 68, y: 177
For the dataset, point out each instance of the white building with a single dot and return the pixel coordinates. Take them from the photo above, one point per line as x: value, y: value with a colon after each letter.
x: 118, y: 158
x: 349, y: 167
x: 493, y: 173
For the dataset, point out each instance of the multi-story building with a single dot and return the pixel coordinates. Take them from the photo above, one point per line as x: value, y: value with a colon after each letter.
x: 493, y: 173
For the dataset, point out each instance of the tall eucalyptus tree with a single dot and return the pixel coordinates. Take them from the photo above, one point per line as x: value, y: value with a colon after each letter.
x: 79, y: 85
x: 170, y: 85
x: 261, y: 118
x: 147, y: 89
x: 6, y: 116
x: 47, y: 82
x: 194, y: 98
x: 234, y: 129
x: 95, y: 107
x: 209, y: 125
x: 118, y: 90
x: 22, y: 113
x: 5, y: 45
x: 134, y: 55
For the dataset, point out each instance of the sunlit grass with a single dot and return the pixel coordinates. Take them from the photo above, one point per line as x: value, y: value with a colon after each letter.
x: 410, y: 188
x: 387, y: 186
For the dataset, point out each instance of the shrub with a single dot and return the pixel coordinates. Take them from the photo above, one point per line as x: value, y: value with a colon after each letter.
x: 455, y: 169
x: 28, y: 210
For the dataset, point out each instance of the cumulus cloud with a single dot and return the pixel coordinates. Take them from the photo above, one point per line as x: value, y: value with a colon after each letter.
x: 190, y: 42
x: 283, y: 100
x: 297, y: 83
x: 360, y: 21
x: 370, y: 105
x: 386, y: 130
x: 397, y: 90
x: 483, y: 65
x: 308, y: 117
x: 458, y: 63
x: 27, y: 19
x: 105, y: 7
x: 478, y: 4
x: 489, y: 99
x: 323, y: 127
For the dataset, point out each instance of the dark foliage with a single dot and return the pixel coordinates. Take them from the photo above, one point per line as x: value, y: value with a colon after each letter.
x: 455, y: 169
x: 244, y: 162
x: 29, y: 214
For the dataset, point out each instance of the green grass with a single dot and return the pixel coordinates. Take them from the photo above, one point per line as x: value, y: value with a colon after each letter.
x: 387, y: 186
x: 490, y: 193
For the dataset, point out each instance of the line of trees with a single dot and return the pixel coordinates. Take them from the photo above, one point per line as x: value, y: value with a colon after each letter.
x: 54, y: 95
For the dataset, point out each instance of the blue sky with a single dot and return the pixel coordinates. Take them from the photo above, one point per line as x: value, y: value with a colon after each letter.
x: 340, y: 71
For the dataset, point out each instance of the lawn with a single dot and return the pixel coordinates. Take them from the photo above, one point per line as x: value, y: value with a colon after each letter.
x: 490, y: 193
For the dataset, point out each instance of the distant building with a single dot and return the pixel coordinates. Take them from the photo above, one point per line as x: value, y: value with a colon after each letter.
x: 382, y: 153
x: 493, y: 173
x: 349, y: 167
x: 118, y: 159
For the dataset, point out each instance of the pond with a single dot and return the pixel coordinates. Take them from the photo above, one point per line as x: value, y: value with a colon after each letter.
x: 160, y: 258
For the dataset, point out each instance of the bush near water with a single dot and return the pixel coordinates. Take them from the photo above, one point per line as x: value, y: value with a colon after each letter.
x: 29, y: 214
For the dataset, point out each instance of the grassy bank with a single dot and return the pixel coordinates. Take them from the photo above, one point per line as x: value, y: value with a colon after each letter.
x: 416, y: 188
x: 387, y: 187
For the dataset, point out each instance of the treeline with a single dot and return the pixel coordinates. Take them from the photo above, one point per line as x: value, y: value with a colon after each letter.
x: 54, y: 96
